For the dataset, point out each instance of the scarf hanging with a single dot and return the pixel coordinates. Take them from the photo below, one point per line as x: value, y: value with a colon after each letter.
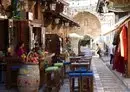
x: 118, y: 62
x: 124, y: 42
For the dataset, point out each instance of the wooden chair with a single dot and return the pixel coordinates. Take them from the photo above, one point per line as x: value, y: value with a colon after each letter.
x: 61, y: 74
x: 87, y: 82
x: 72, y: 77
x: 65, y: 65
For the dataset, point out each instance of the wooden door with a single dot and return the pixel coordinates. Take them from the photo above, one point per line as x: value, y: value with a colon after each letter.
x: 4, y: 35
x: 52, y: 43
x: 21, y: 29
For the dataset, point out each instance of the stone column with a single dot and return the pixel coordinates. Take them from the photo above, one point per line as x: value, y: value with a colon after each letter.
x: 31, y: 37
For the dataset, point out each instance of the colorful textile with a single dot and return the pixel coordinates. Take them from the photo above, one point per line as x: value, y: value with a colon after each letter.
x: 115, y: 60
x: 116, y: 37
x: 118, y: 62
x: 124, y: 43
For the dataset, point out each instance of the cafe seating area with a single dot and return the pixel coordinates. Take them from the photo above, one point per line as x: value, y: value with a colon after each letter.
x: 77, y: 70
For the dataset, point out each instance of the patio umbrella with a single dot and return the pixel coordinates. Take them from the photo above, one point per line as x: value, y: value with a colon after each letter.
x: 74, y: 35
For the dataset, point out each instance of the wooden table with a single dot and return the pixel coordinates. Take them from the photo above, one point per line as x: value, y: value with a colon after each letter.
x: 75, y: 58
x: 80, y: 61
x: 77, y: 65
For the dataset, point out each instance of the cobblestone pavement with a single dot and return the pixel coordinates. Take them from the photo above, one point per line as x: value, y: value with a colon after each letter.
x: 104, y: 79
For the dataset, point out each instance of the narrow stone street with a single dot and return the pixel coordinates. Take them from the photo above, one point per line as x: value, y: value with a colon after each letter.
x: 104, y: 79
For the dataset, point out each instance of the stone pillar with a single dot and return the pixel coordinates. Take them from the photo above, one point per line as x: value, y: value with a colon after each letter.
x: 31, y: 37
x: 128, y: 71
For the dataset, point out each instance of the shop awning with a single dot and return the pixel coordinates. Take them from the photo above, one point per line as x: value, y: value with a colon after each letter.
x: 57, y: 13
x: 63, y: 2
x: 74, y: 35
x: 120, y: 7
x: 69, y: 19
x: 120, y: 1
x: 61, y: 16
x: 113, y: 5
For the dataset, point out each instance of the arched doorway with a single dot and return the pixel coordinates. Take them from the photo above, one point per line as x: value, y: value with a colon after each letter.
x: 85, y: 42
x: 89, y: 25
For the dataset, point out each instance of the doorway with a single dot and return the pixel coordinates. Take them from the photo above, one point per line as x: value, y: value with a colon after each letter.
x: 4, y: 35
x: 37, y: 35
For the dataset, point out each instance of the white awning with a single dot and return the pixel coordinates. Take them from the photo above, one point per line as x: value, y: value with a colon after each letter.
x: 74, y: 35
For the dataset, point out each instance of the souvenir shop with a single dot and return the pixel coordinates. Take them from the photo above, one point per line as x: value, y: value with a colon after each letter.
x: 121, y: 43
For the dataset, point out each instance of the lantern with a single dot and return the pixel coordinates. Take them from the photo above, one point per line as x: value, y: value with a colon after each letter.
x: 57, y: 20
x: 66, y: 24
x: 53, y: 6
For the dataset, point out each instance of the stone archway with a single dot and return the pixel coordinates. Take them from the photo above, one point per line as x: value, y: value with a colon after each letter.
x: 86, y: 41
x: 89, y: 25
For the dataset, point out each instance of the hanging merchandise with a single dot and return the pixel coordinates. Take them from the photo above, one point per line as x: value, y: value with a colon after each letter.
x: 116, y: 37
x: 118, y: 63
x: 124, y: 42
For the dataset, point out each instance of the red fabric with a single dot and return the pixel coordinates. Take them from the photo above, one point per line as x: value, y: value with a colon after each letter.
x: 116, y: 59
x: 124, y: 43
x: 121, y: 52
x: 118, y: 63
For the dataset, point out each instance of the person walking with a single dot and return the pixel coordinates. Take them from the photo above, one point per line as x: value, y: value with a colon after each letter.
x: 98, y: 50
x: 112, y: 50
